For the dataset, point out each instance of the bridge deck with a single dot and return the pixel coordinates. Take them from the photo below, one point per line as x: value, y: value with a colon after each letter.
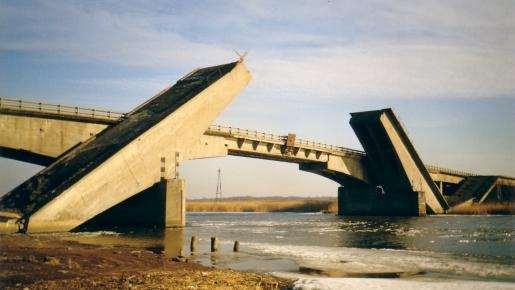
x: 92, y: 115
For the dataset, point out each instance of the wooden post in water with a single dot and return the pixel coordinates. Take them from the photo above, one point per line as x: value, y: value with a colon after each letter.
x: 214, y: 244
x: 236, y: 247
x: 193, y: 244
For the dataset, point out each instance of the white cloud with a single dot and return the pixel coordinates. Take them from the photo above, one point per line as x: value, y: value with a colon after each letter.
x: 395, y: 50
x: 411, y: 70
x: 80, y: 35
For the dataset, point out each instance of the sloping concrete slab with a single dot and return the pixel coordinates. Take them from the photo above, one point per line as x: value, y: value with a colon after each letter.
x: 395, y: 162
x: 125, y: 158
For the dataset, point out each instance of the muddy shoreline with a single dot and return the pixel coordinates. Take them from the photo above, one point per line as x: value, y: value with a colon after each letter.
x: 36, y: 262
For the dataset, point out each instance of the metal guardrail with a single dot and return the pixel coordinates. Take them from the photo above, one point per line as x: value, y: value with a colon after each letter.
x: 328, y: 147
x: 433, y: 168
x: 32, y: 106
x: 262, y: 136
x: 239, y: 132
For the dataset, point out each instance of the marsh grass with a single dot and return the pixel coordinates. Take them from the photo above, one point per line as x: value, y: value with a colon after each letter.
x: 488, y: 208
x: 262, y: 205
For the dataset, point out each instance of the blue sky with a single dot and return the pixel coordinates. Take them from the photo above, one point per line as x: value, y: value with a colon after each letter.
x: 447, y: 67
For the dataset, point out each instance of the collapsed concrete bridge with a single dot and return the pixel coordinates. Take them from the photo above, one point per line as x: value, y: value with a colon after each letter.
x: 103, y: 165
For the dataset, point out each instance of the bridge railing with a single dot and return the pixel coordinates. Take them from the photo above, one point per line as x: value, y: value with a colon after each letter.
x: 433, y: 168
x: 238, y: 132
x: 327, y: 147
x: 32, y: 106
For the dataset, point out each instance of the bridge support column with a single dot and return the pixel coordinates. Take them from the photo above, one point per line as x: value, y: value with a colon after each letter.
x: 368, y: 200
x: 161, y: 205
x: 357, y: 200
x: 175, y: 202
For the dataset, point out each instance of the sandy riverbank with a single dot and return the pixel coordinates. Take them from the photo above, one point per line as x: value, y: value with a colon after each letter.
x: 50, y: 263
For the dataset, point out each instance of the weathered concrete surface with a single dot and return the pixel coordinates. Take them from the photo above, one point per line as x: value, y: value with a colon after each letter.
x: 146, y: 209
x: 125, y: 158
x: 394, y: 161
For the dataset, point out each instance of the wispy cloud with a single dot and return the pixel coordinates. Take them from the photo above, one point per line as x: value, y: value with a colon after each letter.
x: 72, y: 33
x: 391, y: 49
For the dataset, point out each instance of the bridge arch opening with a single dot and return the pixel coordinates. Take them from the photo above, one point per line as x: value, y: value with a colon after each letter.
x: 242, y: 176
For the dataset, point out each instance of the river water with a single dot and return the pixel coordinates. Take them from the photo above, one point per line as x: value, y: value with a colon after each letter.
x: 328, y: 252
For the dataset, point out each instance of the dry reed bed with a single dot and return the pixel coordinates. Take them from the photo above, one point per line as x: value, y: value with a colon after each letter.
x: 319, y: 205
x: 488, y: 208
x: 262, y: 205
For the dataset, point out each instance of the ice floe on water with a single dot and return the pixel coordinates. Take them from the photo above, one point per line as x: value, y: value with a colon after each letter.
x: 343, y: 261
x: 397, y: 284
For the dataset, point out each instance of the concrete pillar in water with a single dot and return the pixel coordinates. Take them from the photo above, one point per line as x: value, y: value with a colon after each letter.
x: 214, y: 244
x: 175, y: 199
x: 173, y: 242
x: 421, y: 197
x: 357, y: 200
x: 368, y: 200
x: 193, y: 244
x: 341, y: 200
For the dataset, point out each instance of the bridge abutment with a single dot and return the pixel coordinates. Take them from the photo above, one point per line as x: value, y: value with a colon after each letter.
x: 159, y: 206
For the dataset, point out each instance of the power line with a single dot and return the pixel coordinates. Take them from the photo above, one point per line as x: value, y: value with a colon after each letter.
x: 218, y: 194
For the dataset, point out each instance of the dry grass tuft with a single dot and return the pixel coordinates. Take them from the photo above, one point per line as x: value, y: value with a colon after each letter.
x: 262, y: 205
x: 488, y: 208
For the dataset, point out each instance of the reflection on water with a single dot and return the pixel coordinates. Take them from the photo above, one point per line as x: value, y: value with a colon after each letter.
x: 169, y: 242
x: 460, y: 247
x: 377, y: 232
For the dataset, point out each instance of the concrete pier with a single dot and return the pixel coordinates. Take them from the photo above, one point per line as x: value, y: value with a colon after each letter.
x: 161, y: 205
x: 175, y: 202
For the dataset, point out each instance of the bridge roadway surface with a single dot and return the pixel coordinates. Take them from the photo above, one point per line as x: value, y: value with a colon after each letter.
x: 41, y: 142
